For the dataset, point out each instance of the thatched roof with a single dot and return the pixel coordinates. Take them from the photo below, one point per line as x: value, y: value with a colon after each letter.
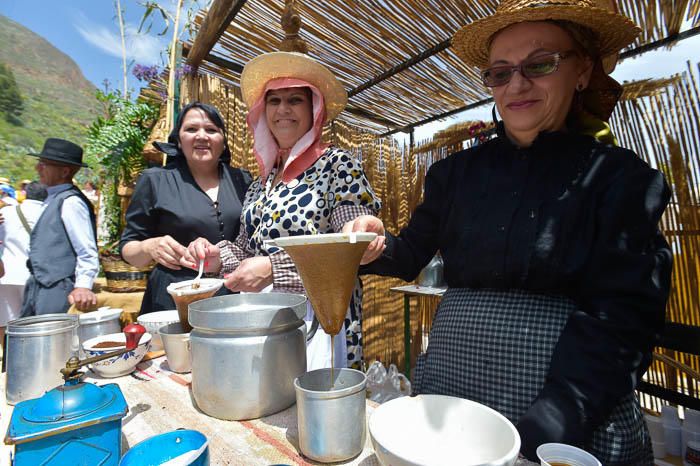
x: 406, y: 42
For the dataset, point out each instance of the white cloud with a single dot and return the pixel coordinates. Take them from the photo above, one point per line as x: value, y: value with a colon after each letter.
x: 141, y: 48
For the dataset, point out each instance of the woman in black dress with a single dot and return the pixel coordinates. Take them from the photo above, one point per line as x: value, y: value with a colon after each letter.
x: 558, y: 275
x: 197, y: 194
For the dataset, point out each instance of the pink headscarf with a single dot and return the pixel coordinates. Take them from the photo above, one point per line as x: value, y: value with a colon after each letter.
x: 306, y: 150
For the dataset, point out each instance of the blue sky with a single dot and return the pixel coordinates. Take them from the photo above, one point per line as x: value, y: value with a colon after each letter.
x: 87, y: 31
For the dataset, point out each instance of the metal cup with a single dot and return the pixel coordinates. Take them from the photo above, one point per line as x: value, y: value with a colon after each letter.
x: 331, y: 420
x: 177, y: 347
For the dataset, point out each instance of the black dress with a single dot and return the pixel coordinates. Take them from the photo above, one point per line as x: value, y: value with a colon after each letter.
x: 558, y: 279
x: 168, y: 201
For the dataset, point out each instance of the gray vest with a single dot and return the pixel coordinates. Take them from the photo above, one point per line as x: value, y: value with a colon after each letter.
x: 51, y: 254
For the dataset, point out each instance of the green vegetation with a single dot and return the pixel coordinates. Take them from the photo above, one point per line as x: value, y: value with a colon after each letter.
x: 11, y: 104
x: 114, y: 150
x: 57, y: 100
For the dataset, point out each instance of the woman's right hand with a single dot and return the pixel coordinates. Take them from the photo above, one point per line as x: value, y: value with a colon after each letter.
x: 202, y: 249
x: 368, y: 223
x: 165, y: 251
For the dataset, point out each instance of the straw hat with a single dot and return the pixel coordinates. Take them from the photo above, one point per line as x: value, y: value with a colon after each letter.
x: 614, y: 30
x: 261, y: 69
x: 4, y: 180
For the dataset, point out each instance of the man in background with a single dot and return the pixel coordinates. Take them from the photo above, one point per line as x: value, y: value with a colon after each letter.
x: 14, y: 250
x: 63, y: 250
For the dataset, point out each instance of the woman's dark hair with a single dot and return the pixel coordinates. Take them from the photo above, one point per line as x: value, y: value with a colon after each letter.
x: 215, y: 117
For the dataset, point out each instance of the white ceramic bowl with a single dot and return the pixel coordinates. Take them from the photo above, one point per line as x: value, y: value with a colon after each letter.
x: 118, y: 365
x: 155, y: 320
x: 442, y: 430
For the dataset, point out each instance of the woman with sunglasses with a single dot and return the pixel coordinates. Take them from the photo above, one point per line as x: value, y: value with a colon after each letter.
x: 558, y: 275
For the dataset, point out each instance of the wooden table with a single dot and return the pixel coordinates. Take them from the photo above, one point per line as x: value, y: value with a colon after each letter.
x: 408, y: 291
x: 161, y: 401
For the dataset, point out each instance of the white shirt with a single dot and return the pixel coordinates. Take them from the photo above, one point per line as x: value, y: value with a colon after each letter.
x: 15, y: 238
x: 76, y: 219
x: 9, y: 200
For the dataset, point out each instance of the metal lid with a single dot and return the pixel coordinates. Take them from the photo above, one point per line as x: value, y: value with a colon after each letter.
x: 248, y: 312
x: 68, y: 402
x: 100, y: 315
x: 46, y: 324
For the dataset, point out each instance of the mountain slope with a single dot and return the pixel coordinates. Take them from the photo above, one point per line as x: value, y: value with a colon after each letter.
x: 58, y: 100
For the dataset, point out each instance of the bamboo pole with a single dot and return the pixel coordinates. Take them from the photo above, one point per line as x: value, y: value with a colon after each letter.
x: 121, y: 32
x: 170, y: 106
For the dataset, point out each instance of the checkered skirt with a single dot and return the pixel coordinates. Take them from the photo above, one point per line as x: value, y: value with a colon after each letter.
x: 494, y: 347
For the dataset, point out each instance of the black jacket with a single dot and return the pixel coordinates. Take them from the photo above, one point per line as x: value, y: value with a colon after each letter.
x: 569, y: 216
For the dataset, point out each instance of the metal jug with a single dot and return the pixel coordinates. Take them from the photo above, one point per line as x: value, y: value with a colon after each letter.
x: 433, y: 274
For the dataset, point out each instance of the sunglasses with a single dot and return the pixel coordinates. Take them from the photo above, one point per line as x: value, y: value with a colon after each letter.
x: 530, y: 68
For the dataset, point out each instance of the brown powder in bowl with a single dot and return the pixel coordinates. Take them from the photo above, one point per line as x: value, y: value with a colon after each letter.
x: 109, y: 344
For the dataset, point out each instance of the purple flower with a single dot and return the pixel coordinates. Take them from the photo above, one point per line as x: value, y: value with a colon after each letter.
x: 183, y: 70
x: 145, y: 73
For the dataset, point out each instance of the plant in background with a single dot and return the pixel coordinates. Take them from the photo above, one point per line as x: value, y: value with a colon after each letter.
x: 157, y: 79
x: 114, y: 151
x: 11, y: 103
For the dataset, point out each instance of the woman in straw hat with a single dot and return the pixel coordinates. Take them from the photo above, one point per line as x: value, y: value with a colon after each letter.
x: 196, y: 194
x: 305, y: 187
x: 558, y: 275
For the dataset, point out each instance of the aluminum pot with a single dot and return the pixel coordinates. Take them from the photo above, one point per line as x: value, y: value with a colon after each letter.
x: 37, y: 348
x: 247, y: 349
x: 103, y: 321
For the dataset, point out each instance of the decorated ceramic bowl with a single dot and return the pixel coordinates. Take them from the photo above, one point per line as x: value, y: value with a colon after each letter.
x: 118, y: 365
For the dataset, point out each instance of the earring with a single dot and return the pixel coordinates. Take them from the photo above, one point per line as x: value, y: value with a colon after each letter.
x: 579, y: 87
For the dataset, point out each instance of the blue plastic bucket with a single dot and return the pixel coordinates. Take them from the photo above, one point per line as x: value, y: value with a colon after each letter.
x: 158, y: 449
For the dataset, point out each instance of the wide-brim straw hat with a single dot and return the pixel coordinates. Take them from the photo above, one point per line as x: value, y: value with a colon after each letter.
x: 263, y: 68
x: 615, y: 31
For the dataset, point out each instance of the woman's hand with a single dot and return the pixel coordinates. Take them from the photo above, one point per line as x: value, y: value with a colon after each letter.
x: 254, y: 274
x: 368, y: 223
x: 202, y: 249
x: 165, y: 251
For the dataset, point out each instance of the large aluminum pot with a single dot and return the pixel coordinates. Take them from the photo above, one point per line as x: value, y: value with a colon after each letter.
x: 247, y: 350
x: 37, y: 348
